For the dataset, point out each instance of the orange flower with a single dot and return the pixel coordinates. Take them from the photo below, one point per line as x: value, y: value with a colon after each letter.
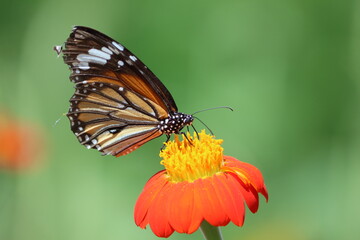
x: 20, y: 143
x: 198, y: 184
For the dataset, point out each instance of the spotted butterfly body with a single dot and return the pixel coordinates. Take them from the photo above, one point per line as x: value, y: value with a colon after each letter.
x: 119, y: 104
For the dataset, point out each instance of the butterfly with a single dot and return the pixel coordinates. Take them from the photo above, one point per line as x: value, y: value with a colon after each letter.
x: 118, y: 104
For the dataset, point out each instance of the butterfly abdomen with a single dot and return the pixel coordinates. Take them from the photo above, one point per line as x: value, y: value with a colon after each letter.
x: 175, y: 122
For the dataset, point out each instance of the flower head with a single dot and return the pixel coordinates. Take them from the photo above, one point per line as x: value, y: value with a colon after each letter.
x: 20, y: 143
x: 199, y: 183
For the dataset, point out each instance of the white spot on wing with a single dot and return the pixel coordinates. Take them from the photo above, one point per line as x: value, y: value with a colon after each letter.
x: 98, y: 53
x: 105, y: 49
x: 121, y: 89
x: 79, y: 36
x: 90, y: 59
x: 133, y: 58
x: 114, y: 49
x: 120, y: 63
x: 83, y: 66
x: 118, y: 46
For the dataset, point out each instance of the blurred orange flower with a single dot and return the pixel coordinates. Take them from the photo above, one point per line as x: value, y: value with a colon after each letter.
x: 20, y: 143
x: 198, y: 184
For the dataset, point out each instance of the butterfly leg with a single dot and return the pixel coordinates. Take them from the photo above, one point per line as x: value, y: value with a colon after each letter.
x: 184, y: 134
x: 167, y: 139
x: 188, y: 129
x: 197, y: 134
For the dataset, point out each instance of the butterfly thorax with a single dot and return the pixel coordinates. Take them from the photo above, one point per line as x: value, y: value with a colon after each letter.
x: 175, y: 122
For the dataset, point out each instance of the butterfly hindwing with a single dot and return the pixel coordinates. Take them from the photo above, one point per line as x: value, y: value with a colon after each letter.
x: 103, y: 115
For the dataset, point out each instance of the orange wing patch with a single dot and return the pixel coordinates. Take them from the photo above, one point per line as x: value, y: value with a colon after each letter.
x: 139, y: 86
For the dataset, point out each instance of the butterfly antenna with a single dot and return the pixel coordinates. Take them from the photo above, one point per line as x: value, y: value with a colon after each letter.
x: 205, y: 125
x: 58, y: 120
x: 226, y: 107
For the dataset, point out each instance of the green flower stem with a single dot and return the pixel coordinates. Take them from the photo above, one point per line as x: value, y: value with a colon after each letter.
x: 210, y: 232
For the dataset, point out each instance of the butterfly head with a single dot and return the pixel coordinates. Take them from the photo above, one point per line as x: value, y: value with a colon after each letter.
x: 188, y: 119
x: 175, y: 122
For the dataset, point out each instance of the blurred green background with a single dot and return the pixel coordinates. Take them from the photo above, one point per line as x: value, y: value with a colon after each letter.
x: 290, y: 69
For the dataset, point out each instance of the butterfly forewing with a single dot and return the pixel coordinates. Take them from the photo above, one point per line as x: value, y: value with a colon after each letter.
x: 91, y: 54
x: 118, y: 101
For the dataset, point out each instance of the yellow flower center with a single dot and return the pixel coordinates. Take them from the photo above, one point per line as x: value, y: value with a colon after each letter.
x: 190, y: 160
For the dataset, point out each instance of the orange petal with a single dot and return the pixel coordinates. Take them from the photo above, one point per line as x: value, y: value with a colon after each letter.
x: 231, y: 198
x: 252, y: 174
x: 207, y: 200
x: 157, y: 212
x: 250, y: 194
x: 183, y: 214
x: 146, y: 198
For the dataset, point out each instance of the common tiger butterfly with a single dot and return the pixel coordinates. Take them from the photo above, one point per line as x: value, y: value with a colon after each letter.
x: 119, y: 104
